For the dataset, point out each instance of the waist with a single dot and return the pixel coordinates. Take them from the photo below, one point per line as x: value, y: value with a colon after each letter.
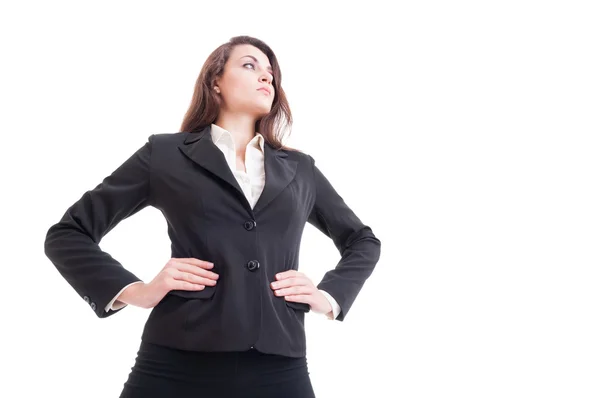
x: 158, y: 360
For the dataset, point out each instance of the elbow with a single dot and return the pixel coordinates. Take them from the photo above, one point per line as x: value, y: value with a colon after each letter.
x: 48, y: 242
x: 52, y: 241
x: 375, y: 245
x: 364, y: 237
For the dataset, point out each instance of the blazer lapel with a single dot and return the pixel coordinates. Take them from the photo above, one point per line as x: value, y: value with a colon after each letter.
x: 279, y: 170
x: 200, y: 148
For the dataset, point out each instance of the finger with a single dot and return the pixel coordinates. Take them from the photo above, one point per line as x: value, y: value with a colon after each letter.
x: 294, y: 290
x: 286, y: 274
x: 192, y: 278
x: 196, y: 262
x: 183, y: 285
x: 295, y: 281
x: 196, y: 270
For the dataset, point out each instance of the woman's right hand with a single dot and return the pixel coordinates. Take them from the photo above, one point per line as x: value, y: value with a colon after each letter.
x: 177, y: 274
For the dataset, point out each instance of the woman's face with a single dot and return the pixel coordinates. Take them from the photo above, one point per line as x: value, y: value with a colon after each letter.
x: 246, y: 71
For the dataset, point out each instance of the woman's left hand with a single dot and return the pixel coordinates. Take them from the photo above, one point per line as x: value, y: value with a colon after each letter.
x: 294, y: 286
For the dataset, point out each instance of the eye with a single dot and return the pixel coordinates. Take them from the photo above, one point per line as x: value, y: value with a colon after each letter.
x: 250, y: 63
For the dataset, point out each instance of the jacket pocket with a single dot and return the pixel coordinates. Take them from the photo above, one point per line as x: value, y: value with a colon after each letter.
x: 298, y: 306
x: 205, y: 293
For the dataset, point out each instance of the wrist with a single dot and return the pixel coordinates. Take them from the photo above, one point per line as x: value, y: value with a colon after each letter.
x: 132, y: 294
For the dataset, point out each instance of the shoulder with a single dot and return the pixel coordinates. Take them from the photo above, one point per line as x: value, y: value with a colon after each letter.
x: 168, y: 138
x: 166, y: 147
x: 297, y: 155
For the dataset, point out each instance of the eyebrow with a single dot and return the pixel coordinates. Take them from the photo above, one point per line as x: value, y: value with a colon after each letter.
x: 255, y: 60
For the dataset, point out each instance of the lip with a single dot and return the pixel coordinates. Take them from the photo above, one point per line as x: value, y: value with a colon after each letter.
x: 266, y: 90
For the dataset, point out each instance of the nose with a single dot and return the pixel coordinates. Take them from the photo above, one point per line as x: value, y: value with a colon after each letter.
x: 266, y: 77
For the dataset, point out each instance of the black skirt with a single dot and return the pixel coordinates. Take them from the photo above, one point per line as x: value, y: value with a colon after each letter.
x: 167, y: 372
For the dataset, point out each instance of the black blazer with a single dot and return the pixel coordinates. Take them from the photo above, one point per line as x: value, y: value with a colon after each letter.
x: 187, y: 178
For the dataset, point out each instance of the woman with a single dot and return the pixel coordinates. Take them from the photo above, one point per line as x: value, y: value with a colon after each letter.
x: 228, y: 308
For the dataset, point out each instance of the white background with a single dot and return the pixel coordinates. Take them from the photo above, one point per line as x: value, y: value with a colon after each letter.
x: 464, y: 133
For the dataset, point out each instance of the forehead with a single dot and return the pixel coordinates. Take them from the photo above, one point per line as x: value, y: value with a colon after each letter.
x: 242, y: 50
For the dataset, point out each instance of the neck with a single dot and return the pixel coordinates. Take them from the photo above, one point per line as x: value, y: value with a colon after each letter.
x: 240, y: 126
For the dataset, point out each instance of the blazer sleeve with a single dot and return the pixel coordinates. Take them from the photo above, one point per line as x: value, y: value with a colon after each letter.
x: 358, y: 246
x: 72, y: 244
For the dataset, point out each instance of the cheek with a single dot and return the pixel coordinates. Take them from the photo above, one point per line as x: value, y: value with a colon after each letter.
x: 240, y: 83
x: 239, y: 91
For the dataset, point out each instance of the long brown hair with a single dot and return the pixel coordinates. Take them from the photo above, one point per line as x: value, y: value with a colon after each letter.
x: 204, y: 106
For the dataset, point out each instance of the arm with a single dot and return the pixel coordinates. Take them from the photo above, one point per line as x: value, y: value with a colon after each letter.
x: 72, y: 244
x: 358, y: 246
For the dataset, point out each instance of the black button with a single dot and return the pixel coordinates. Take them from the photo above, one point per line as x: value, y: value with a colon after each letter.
x: 249, y: 225
x: 253, y: 265
x: 93, y: 305
x: 86, y: 299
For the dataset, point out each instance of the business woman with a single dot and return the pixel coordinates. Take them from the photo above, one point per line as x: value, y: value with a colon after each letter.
x: 228, y: 307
